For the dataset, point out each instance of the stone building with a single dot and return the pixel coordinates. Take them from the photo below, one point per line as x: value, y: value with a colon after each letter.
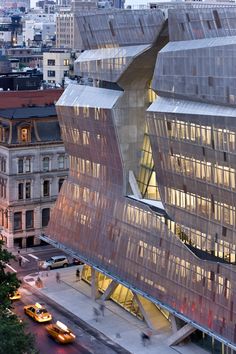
x: 33, y: 165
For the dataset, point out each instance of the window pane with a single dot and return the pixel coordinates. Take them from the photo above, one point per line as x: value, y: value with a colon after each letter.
x: 25, y: 134
x: 28, y: 190
x: 45, y: 216
x: 46, y: 164
x: 20, y: 191
x: 17, y: 221
x: 46, y: 188
x: 27, y: 165
x: 61, y: 162
x: 20, y: 165
x: 60, y: 183
x: 29, y: 219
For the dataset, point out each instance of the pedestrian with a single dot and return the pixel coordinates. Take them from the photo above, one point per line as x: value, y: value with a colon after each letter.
x: 102, y: 308
x: 58, y: 278
x: 96, y: 313
x: 20, y: 260
x: 145, y: 338
x: 77, y: 274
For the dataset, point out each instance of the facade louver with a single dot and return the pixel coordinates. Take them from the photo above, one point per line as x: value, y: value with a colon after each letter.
x: 189, y: 268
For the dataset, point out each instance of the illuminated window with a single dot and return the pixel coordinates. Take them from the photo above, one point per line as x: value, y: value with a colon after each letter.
x: 25, y: 135
x: 66, y: 62
x: 2, y: 134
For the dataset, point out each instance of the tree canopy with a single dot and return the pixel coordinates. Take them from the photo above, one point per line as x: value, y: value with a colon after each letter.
x: 13, y: 333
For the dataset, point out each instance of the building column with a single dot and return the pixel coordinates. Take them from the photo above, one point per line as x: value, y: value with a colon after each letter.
x: 144, y: 313
x: 94, y: 284
x: 8, y: 231
x: 10, y: 241
x: 181, y: 334
x: 24, y: 237
x: 109, y: 290
x: 37, y: 224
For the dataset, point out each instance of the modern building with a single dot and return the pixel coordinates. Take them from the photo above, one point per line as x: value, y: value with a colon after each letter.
x: 149, y: 203
x: 33, y: 164
x: 56, y: 64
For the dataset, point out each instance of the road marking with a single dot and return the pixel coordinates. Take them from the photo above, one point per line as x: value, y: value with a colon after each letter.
x: 11, y: 268
x: 25, y: 259
x: 33, y: 256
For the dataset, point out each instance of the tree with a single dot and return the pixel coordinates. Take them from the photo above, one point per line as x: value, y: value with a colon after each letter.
x: 13, y: 332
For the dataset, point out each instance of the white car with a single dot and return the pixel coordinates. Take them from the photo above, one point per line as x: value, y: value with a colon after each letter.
x: 55, y: 262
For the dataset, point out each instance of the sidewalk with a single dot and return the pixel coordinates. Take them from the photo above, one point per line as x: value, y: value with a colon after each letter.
x: 117, y: 324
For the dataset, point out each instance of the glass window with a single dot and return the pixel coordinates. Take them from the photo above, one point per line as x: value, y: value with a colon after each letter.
x: 60, y: 183
x: 18, y: 221
x: 46, y: 164
x: 20, y: 165
x: 51, y: 73
x: 3, y: 164
x: 25, y: 135
x: 46, y: 188
x: 61, y: 162
x: 51, y: 62
x: 66, y: 62
x: 20, y: 190
x: 2, y: 134
x: 28, y: 164
x: 28, y: 190
x: 29, y: 219
x: 45, y: 216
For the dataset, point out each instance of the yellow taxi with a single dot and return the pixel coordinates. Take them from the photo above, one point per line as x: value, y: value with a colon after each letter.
x: 60, y: 332
x: 37, y: 312
x: 15, y: 296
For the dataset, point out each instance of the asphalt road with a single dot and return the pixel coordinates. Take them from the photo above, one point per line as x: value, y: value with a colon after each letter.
x: 88, y: 340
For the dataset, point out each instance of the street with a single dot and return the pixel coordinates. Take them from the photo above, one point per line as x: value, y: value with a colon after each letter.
x: 87, y: 341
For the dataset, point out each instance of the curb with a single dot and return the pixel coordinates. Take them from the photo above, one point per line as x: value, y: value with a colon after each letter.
x: 108, y: 342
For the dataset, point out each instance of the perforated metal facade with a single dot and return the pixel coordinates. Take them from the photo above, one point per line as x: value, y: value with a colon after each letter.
x: 193, y: 146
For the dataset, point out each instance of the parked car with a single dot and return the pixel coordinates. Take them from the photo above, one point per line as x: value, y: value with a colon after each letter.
x: 55, y: 262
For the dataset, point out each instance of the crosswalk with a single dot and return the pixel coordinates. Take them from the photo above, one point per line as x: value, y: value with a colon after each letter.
x: 33, y: 256
x: 24, y: 260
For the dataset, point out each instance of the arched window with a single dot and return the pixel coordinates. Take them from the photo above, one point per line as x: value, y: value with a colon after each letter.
x: 24, y: 134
